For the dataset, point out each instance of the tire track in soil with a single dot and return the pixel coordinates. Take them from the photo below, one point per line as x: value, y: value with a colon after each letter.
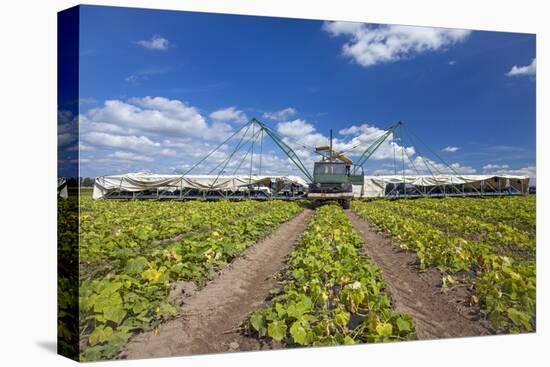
x: 437, y: 314
x: 208, y: 320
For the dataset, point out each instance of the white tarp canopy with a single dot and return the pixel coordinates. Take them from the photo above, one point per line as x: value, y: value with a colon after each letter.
x: 134, y: 182
x: 375, y: 186
x: 62, y: 187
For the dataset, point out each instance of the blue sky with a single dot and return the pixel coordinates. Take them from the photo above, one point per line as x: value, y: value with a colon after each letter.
x: 159, y: 89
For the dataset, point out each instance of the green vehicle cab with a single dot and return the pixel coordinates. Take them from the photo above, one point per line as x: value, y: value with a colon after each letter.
x: 335, y: 177
x: 334, y: 180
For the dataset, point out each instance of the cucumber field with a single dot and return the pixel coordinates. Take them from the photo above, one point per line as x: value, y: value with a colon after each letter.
x: 175, y: 278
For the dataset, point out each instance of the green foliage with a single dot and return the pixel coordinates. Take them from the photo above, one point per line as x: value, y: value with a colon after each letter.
x: 67, y: 277
x: 276, y: 329
x: 492, y: 238
x: 507, y: 290
x: 100, y: 334
x: 132, y: 251
x: 298, y: 333
x: 402, y: 324
x: 137, y: 265
x: 333, y: 294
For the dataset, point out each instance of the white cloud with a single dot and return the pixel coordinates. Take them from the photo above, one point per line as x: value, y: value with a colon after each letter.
x: 218, y: 131
x: 295, y: 129
x: 530, y: 69
x: 168, y: 152
x: 135, y: 143
x: 168, y: 136
x: 65, y: 139
x: 85, y: 147
x: 146, y: 73
x: 131, y: 156
x: 452, y: 62
x: 426, y: 165
x: 530, y: 171
x: 150, y: 114
x: 66, y: 129
x: 361, y: 129
x: 458, y: 168
x: 155, y: 43
x: 489, y: 167
x: 364, y: 136
x: 301, y: 135
x: 281, y: 115
x: 133, y: 78
x: 451, y: 149
x: 229, y: 114
x: 340, y: 28
x: 154, y: 129
x: 370, y: 45
x: 87, y: 125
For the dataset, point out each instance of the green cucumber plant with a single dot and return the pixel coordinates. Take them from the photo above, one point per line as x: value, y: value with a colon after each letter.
x: 133, y: 251
x: 452, y: 234
x: 332, y: 293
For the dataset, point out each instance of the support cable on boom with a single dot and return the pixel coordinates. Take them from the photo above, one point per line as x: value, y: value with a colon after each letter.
x: 435, y: 154
x: 261, y: 149
x: 285, y: 148
x: 215, y: 149
x: 403, y: 160
x: 251, y: 156
x: 360, y: 144
x: 427, y: 162
x: 420, y: 155
x: 227, y: 161
x: 245, y: 156
x: 394, y: 161
x: 237, y: 147
x: 407, y: 154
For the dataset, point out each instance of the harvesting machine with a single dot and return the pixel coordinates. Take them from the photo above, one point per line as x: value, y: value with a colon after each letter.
x: 334, y: 177
x: 334, y: 174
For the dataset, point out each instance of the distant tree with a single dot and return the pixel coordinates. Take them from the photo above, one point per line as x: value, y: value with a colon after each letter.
x: 86, y: 182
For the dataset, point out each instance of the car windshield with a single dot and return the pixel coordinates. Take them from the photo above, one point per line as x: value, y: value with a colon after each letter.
x: 330, y: 169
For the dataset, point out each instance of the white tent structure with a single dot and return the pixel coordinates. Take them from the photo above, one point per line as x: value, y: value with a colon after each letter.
x: 148, y: 185
x: 62, y: 188
x: 441, y: 185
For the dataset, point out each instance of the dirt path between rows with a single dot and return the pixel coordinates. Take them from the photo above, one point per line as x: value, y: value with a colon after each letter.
x: 437, y: 314
x: 208, y: 320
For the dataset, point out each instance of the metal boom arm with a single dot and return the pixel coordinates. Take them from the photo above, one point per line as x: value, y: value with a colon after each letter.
x: 374, y: 146
x: 285, y: 148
